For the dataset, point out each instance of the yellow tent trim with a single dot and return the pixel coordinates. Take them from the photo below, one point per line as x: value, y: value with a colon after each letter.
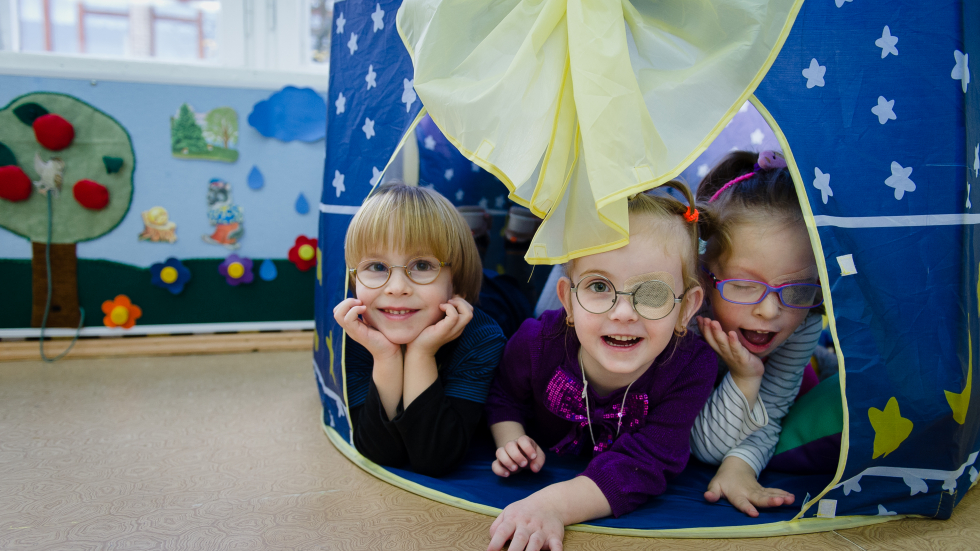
x: 811, y: 227
x: 782, y: 528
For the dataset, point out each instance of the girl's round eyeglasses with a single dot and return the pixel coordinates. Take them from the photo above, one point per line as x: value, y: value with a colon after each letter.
x: 652, y: 299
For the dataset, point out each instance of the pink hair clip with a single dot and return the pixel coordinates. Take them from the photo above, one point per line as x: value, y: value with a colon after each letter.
x: 767, y: 160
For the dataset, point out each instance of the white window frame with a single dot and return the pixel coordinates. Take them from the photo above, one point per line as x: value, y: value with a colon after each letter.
x: 261, y: 44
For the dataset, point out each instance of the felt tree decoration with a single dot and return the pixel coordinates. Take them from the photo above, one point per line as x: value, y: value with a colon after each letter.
x: 120, y: 312
x: 80, y: 159
x: 303, y: 253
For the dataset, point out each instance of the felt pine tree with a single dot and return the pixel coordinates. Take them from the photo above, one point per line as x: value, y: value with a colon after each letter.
x: 58, y: 148
x: 187, y: 136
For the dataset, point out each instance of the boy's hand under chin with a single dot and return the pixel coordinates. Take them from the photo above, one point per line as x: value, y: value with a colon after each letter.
x: 430, y: 340
x: 348, y: 313
x: 736, y: 481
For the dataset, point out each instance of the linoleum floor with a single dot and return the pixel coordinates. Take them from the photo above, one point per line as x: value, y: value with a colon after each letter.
x: 226, y: 452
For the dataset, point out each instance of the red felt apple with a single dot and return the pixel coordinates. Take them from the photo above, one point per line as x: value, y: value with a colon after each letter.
x: 53, y: 132
x: 14, y: 184
x: 91, y: 195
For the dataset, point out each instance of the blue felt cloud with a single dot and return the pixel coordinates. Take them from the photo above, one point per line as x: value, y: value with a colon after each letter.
x: 291, y: 114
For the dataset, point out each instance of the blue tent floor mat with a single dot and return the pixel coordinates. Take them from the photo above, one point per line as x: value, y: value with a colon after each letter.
x: 680, y: 512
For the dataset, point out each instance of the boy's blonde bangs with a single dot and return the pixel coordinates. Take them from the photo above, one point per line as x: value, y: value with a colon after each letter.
x: 416, y: 220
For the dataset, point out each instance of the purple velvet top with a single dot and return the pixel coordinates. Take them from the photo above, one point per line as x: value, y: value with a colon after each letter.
x: 539, y: 384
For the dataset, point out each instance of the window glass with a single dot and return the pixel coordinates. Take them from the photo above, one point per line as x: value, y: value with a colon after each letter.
x: 182, y: 30
x: 321, y: 25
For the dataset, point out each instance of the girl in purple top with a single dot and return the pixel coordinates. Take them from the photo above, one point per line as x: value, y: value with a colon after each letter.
x: 614, y: 374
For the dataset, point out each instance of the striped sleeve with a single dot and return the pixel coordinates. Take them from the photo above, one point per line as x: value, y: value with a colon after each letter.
x: 475, y: 360
x: 724, y: 422
x: 780, y: 385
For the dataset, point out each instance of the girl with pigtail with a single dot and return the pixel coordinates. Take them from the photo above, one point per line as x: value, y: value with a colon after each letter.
x: 614, y: 375
x: 763, y: 318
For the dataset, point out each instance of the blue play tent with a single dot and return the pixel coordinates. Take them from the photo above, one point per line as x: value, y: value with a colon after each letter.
x: 873, y: 106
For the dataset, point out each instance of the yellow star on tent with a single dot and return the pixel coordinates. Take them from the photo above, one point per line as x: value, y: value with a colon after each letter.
x: 891, y: 429
x: 959, y: 403
x: 316, y: 340
x: 319, y: 266
x: 329, y: 341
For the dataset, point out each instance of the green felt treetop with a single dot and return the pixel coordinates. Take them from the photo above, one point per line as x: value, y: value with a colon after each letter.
x: 96, y: 135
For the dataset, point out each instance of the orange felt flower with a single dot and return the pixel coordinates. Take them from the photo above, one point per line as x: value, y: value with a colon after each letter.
x: 120, y: 312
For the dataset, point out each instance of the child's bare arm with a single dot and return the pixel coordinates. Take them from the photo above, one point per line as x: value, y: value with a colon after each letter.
x: 746, y: 369
x: 538, y: 522
x: 515, y: 450
x: 736, y: 481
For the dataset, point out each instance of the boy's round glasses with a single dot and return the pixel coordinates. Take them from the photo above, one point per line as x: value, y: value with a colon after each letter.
x: 749, y: 291
x: 374, y: 273
x: 652, y: 299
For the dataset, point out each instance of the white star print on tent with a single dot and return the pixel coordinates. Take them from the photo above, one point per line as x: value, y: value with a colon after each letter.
x: 884, y: 110
x: 378, y: 17
x: 459, y: 195
x: 368, y: 128
x: 841, y: 2
x: 499, y: 202
x: 375, y: 175
x: 483, y: 202
x: 883, y: 512
x: 821, y: 181
x: 900, y: 180
x: 449, y: 174
x: 757, y: 136
x: 338, y: 182
x: 371, y: 78
x: 814, y: 74
x: 341, y: 103
x: 340, y: 23
x: 702, y: 170
x: 352, y: 43
x: 409, y: 96
x: 961, y: 71
x: 430, y: 143
x: 474, y: 167
x: 887, y: 43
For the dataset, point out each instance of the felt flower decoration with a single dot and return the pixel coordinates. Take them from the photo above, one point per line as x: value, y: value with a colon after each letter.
x: 120, y: 312
x: 303, y: 253
x: 170, y: 275
x: 236, y: 269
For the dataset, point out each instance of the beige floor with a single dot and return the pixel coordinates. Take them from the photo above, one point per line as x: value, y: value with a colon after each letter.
x: 225, y: 452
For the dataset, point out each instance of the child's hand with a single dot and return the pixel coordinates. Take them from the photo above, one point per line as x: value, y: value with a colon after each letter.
x: 347, y: 314
x: 736, y: 481
x: 458, y: 314
x: 530, y: 524
x: 516, y: 455
x: 746, y: 368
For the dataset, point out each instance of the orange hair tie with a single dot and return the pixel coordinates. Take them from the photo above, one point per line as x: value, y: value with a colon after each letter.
x: 691, y: 215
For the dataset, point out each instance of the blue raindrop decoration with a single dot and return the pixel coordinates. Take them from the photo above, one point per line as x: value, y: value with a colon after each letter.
x: 255, y: 178
x: 302, y: 205
x: 268, y: 271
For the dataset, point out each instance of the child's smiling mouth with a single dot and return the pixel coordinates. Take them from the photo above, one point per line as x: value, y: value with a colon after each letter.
x: 621, y: 341
x: 397, y: 314
x: 758, y: 339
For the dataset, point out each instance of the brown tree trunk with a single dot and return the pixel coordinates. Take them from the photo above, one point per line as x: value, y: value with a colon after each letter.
x: 64, y: 285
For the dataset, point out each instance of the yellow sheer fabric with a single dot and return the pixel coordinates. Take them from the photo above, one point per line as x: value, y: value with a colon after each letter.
x: 577, y: 104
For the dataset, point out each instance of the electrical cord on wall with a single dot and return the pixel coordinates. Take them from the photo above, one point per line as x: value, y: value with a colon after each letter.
x: 47, y: 306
